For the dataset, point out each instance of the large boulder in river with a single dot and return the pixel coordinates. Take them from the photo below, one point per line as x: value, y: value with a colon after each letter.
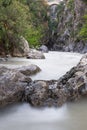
x: 34, y: 54
x: 29, y: 70
x: 13, y: 83
x: 22, y: 49
x: 75, y: 80
x: 11, y: 86
x: 45, y: 93
x: 37, y: 93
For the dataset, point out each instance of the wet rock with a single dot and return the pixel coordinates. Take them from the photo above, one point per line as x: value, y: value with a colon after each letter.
x: 39, y: 93
x: 3, y: 59
x: 34, y: 54
x: 75, y: 81
x: 13, y: 83
x: 43, y: 48
x: 29, y: 70
x: 45, y: 93
x: 11, y: 86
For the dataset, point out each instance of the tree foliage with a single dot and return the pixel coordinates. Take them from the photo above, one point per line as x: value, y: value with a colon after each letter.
x: 83, y: 31
x: 21, y: 18
x: 38, y: 11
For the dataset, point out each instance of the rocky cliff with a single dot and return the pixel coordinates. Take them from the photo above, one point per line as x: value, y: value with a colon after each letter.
x: 69, y: 23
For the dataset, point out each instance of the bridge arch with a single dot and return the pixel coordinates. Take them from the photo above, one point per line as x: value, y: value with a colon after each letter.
x: 54, y: 4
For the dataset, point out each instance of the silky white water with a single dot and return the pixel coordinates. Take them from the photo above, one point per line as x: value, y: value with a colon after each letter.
x: 71, y: 116
x: 54, y: 66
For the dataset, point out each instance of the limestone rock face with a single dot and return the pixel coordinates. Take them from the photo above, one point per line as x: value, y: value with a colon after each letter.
x: 70, y: 21
x: 80, y: 8
x: 75, y: 81
x: 22, y: 49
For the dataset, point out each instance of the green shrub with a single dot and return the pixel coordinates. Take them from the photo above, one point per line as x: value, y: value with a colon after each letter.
x: 34, y: 36
x: 25, y: 18
x: 70, y: 4
x: 83, y: 31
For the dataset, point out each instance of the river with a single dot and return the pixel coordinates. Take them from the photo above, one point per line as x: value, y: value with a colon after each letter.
x: 71, y: 116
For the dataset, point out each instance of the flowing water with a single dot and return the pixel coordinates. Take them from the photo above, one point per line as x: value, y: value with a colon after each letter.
x: 71, y: 116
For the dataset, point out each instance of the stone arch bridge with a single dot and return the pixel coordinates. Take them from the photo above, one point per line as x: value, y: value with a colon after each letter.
x: 53, y: 2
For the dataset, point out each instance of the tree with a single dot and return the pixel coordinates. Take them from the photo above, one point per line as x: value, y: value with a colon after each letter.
x: 13, y: 22
x: 20, y: 18
x: 38, y: 10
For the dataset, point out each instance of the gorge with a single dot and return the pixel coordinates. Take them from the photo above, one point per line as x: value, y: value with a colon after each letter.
x: 43, y: 71
x: 69, y: 31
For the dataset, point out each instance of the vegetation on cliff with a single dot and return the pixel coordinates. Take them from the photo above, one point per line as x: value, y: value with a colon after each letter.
x: 71, y: 27
x: 83, y: 31
x: 66, y: 24
x: 27, y: 18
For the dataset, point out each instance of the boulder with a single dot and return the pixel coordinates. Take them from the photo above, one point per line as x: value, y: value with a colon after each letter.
x: 13, y: 83
x: 23, y: 48
x: 85, y: 49
x: 43, y: 48
x: 75, y: 81
x: 11, y: 86
x: 34, y: 54
x: 29, y: 70
x: 45, y: 93
x: 37, y: 94
x: 17, y: 86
